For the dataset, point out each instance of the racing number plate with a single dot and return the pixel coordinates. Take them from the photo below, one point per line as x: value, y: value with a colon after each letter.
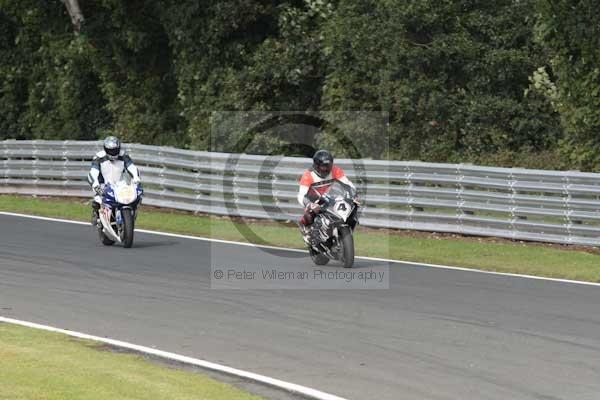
x: 343, y: 209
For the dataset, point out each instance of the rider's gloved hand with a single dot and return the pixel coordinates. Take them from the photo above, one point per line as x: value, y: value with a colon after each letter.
x: 313, y: 207
x: 99, y: 189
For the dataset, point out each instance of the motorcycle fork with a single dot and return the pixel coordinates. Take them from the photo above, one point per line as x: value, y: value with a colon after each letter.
x: 119, y: 221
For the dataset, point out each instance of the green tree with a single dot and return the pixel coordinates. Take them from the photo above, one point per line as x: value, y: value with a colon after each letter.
x: 49, y: 89
x: 212, y: 41
x: 570, y: 32
x: 13, y: 83
x: 452, y: 74
x: 130, y: 51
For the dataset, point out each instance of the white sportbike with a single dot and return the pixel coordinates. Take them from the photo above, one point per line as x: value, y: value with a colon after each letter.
x: 118, y: 213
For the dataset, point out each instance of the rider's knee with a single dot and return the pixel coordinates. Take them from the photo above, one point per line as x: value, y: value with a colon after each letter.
x: 307, y: 219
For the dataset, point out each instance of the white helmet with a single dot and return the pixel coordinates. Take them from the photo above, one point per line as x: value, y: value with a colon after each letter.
x: 112, y: 147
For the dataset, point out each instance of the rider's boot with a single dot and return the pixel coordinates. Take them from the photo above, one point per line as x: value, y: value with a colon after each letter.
x: 95, y: 213
x: 305, y: 231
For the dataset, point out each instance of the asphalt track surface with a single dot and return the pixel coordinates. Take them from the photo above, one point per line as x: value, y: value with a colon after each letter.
x: 435, y: 334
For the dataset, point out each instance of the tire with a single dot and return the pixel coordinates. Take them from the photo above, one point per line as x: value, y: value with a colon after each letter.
x: 127, y: 233
x: 347, y: 248
x: 104, y: 239
x: 318, y: 259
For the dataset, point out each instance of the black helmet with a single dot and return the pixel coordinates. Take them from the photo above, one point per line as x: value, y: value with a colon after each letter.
x: 322, y: 163
x: 112, y: 146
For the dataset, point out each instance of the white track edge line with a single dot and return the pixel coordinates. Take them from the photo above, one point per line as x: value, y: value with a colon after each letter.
x: 287, y: 386
x: 411, y: 263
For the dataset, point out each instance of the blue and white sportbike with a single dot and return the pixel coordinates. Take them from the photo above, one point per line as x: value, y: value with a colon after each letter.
x: 118, y: 213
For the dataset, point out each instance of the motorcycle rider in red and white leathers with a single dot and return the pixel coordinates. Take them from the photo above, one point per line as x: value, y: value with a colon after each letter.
x: 323, y: 171
x: 108, y: 166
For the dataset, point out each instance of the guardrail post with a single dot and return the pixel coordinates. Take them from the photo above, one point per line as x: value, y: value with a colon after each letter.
x: 5, y: 156
x: 160, y: 156
x: 409, y: 194
x: 460, y: 212
x: 65, y: 163
x: 197, y: 189
x: 34, y: 171
x: 512, y: 181
x: 567, y: 199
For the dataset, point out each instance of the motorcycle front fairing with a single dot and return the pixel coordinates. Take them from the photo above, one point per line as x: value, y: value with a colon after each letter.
x: 115, y: 198
x: 122, y: 194
x: 338, y: 209
x: 339, y: 203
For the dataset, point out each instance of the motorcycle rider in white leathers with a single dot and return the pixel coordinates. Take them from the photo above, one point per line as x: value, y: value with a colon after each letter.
x: 108, y: 166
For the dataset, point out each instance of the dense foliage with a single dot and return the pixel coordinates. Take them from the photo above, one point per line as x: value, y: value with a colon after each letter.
x: 508, y: 82
x: 570, y: 31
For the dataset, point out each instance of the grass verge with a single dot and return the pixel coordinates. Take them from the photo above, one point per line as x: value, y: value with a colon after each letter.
x: 41, y: 365
x: 499, y: 255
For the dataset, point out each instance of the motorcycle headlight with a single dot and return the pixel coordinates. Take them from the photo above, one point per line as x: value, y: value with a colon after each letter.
x: 126, y: 195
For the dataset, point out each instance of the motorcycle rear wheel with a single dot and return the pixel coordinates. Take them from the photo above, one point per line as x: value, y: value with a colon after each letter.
x: 317, y: 258
x: 104, y: 239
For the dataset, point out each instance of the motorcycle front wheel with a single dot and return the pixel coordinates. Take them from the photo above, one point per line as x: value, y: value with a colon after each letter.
x: 347, y: 253
x: 127, y: 232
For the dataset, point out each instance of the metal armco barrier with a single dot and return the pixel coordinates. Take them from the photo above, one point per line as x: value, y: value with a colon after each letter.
x: 537, y: 205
